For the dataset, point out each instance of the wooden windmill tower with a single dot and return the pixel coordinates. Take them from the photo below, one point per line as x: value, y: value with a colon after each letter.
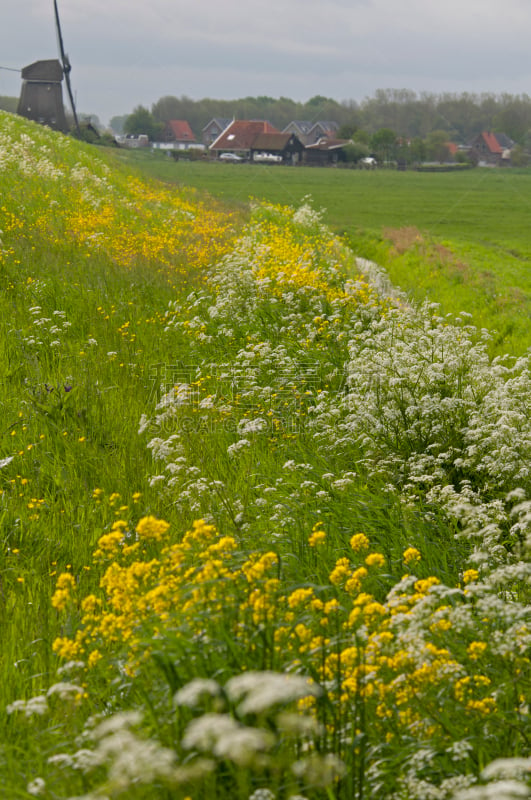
x: 41, y: 97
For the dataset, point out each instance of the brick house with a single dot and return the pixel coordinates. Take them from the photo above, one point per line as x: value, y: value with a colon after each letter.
x: 492, y: 148
x: 178, y: 133
x: 240, y: 135
x: 213, y: 129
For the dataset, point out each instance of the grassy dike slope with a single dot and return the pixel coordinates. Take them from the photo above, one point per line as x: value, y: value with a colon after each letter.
x: 265, y: 530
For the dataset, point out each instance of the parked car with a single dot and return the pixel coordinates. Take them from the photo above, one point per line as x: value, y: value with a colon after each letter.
x: 270, y: 158
x: 230, y: 157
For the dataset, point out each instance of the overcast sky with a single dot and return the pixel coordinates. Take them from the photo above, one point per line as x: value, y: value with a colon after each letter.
x: 130, y: 52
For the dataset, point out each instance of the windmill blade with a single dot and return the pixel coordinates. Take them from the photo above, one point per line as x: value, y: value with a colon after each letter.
x: 65, y: 61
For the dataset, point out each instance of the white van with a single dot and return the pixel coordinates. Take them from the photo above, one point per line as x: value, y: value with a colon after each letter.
x: 270, y: 158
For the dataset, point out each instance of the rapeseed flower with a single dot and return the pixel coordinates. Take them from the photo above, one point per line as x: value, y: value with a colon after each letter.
x: 411, y: 556
x: 359, y: 542
x: 151, y: 528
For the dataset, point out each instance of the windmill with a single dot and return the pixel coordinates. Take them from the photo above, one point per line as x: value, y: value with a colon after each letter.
x: 41, y: 97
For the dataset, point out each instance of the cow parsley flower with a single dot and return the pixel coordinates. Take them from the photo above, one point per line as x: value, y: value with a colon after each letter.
x: 191, y: 694
x: 35, y: 705
x: 235, y: 448
x: 259, y: 691
x: 36, y: 787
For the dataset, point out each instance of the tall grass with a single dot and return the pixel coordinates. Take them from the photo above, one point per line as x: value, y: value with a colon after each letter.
x: 265, y: 523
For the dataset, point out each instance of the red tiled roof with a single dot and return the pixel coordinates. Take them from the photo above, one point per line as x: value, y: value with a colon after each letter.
x: 491, y: 142
x: 180, y: 130
x: 241, y: 134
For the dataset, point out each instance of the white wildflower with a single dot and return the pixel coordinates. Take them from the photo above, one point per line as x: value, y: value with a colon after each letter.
x: 262, y: 794
x: 133, y: 760
x: 35, y: 705
x: 289, y: 465
x: 259, y: 691
x: 203, y: 733
x: 191, y: 694
x: 251, y: 425
x: 70, y: 666
x: 61, y: 760
x: 36, y: 787
x: 86, y: 760
x: 235, y: 448
x: 507, y: 768
x: 499, y: 790
x: 242, y: 744
x: 117, y: 722
x: 226, y: 738
x: 65, y: 690
x: 459, y: 750
x: 341, y: 484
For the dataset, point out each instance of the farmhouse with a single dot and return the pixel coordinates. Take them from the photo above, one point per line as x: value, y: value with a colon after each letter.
x: 282, y: 147
x: 240, y: 135
x: 178, y: 133
x: 213, y: 129
x: 492, y: 148
x: 323, y: 129
x: 325, y: 152
x: 301, y: 128
x: 310, y: 132
x: 133, y: 140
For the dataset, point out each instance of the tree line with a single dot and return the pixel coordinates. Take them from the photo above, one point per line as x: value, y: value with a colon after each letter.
x: 406, y: 113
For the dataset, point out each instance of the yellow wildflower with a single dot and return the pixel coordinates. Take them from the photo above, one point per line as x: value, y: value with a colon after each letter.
x: 359, y: 542
x: 411, y: 555
x: 317, y: 537
x: 331, y: 605
x: 424, y: 585
x: 375, y: 560
x: 476, y: 649
x: 66, y: 648
x: 152, y: 528
x: 353, y: 585
x: 299, y: 596
x: 94, y: 657
x: 340, y: 571
x: 470, y: 575
x: 65, y: 586
x: 485, y: 706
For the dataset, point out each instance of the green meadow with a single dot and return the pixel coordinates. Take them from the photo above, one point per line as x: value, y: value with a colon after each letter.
x: 460, y: 239
x: 264, y: 519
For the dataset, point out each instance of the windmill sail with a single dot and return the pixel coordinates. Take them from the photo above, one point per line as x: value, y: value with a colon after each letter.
x: 67, y: 67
